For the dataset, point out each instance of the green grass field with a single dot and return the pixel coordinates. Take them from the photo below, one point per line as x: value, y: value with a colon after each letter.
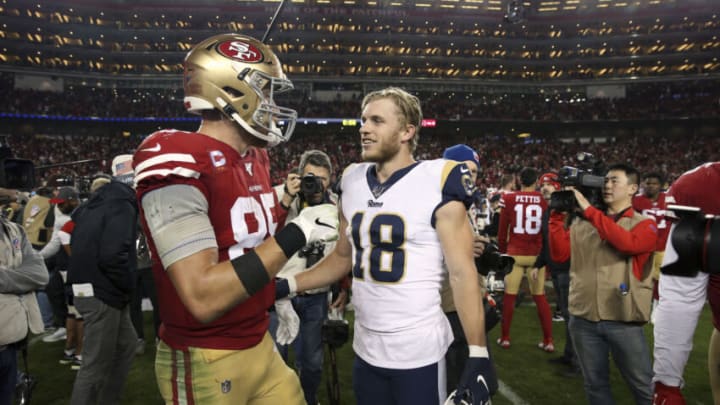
x: 522, y: 368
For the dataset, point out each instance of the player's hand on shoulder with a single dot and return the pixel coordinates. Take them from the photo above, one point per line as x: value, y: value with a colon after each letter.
x: 474, y: 386
x: 318, y: 223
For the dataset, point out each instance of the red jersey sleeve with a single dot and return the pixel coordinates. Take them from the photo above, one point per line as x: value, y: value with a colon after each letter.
x: 559, y: 238
x: 68, y: 227
x: 172, y: 157
x: 638, y: 242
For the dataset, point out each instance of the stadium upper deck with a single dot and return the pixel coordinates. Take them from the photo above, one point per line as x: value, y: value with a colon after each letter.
x: 361, y: 40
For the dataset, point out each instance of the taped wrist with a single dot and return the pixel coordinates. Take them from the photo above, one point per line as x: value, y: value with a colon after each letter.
x: 251, y: 272
x: 290, y: 239
x: 478, y: 351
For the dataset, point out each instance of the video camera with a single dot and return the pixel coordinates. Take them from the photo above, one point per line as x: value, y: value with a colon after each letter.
x: 588, y: 178
x: 492, y: 260
x: 16, y: 174
x: 310, y: 187
x: 695, y: 240
x: 494, y: 266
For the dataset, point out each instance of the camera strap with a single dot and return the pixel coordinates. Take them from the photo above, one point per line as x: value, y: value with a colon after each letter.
x: 620, y: 214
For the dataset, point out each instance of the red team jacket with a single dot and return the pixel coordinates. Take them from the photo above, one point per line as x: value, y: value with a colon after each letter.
x: 243, y: 211
x: 521, y: 222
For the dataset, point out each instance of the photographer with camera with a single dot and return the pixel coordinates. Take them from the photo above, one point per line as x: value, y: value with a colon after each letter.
x: 610, y: 285
x: 560, y: 272
x: 690, y: 276
x: 310, y: 186
x: 519, y: 236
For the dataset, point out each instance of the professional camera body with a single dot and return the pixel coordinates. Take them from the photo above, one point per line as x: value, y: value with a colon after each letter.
x: 494, y: 266
x: 312, y: 253
x: 695, y: 240
x: 17, y: 174
x: 311, y: 189
x: 492, y: 261
x: 588, y: 178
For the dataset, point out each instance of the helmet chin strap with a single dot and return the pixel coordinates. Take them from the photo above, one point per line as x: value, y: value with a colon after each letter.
x: 273, y: 137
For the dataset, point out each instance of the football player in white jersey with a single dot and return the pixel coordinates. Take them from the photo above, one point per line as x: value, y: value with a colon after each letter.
x: 401, y: 218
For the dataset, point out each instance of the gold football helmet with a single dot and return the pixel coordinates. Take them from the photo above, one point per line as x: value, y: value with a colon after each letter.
x: 239, y: 75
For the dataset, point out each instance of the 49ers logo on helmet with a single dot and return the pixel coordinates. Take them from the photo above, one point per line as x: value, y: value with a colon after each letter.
x: 241, y: 51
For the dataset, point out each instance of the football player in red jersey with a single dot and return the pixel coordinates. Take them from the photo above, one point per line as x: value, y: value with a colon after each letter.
x: 652, y: 204
x: 519, y: 236
x: 682, y: 297
x: 210, y: 216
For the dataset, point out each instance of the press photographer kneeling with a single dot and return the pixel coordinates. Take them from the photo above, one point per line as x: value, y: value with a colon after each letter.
x: 610, y: 252
x: 303, y: 315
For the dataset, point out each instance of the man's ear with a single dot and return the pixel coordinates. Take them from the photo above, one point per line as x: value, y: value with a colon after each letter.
x: 409, y: 133
x: 634, y: 187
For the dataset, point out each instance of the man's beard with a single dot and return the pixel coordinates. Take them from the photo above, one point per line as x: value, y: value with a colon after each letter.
x: 385, y: 151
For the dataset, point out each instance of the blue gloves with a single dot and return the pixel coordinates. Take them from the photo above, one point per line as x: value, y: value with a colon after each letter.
x: 476, y: 380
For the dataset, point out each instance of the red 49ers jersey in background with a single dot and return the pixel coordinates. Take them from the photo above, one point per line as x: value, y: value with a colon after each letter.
x: 699, y: 187
x: 242, y: 211
x: 521, y: 222
x: 656, y: 211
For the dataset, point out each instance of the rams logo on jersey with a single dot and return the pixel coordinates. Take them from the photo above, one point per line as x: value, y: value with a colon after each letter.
x: 468, y: 184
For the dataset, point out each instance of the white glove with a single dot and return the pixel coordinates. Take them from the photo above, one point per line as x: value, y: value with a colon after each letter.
x: 318, y: 223
x: 288, y: 322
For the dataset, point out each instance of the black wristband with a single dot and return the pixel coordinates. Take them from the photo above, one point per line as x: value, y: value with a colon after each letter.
x: 290, y: 239
x: 282, y: 288
x: 251, y: 272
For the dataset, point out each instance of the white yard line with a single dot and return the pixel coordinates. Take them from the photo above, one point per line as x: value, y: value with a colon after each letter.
x: 507, y: 392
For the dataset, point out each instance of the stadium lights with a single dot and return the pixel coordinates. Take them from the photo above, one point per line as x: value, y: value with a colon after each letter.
x: 345, y: 122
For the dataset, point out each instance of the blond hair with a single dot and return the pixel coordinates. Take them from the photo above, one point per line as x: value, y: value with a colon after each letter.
x: 408, y: 104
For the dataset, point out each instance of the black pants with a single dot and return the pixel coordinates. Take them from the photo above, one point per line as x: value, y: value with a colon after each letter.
x: 55, y: 291
x: 144, y: 287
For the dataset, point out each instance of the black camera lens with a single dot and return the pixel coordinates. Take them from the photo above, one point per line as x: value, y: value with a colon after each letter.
x: 310, y: 186
x: 492, y: 260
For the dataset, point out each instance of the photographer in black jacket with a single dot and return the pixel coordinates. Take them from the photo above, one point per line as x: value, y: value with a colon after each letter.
x: 101, y: 273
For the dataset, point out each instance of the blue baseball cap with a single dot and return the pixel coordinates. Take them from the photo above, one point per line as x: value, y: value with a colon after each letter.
x: 461, y: 153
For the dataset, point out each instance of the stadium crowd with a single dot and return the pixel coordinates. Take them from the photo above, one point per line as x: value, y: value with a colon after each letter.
x: 498, y: 154
x: 692, y: 99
